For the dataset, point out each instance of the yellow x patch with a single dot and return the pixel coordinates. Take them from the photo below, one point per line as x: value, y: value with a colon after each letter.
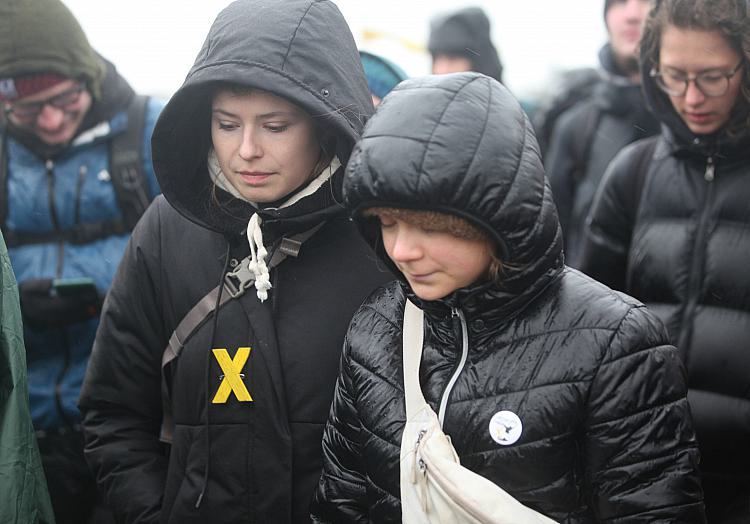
x: 232, y: 381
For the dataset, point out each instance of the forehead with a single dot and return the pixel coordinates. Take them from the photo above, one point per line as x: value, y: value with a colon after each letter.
x: 49, y: 92
x: 253, y: 101
x: 695, y: 49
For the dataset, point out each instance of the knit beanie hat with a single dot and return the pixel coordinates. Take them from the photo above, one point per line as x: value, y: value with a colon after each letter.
x: 466, y: 33
x: 382, y: 75
x: 40, y: 42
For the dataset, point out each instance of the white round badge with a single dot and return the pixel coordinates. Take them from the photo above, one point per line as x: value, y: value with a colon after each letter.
x: 505, y: 428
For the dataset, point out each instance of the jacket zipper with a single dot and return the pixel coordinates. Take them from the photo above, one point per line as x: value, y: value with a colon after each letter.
x: 694, y: 283
x: 455, y: 313
x: 50, y: 165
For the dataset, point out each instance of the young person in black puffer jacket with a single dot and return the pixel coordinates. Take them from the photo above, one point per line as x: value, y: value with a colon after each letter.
x: 448, y: 183
x: 225, y: 426
x: 671, y: 225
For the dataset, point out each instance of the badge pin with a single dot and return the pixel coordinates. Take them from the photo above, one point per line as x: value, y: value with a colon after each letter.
x: 505, y: 428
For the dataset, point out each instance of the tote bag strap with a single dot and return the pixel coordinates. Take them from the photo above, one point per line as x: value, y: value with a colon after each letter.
x: 413, y: 338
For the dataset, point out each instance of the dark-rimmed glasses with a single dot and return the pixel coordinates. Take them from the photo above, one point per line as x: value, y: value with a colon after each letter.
x: 710, y: 83
x: 29, y: 111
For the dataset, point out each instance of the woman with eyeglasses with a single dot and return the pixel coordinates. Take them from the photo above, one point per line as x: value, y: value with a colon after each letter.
x: 671, y: 225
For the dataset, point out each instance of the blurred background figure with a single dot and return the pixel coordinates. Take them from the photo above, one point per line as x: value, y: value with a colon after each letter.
x: 460, y: 41
x: 382, y: 75
x: 23, y: 490
x: 585, y: 137
x: 75, y: 176
x: 670, y: 225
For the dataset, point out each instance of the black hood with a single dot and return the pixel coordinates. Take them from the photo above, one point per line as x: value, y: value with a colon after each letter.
x: 300, y: 50
x: 461, y: 144
x: 467, y: 33
x: 676, y: 132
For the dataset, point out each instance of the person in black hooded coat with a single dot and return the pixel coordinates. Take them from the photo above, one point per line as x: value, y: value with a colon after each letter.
x: 604, y: 429
x: 671, y: 225
x: 244, y: 399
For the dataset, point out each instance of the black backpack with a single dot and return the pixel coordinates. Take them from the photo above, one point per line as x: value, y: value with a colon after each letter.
x: 128, y: 179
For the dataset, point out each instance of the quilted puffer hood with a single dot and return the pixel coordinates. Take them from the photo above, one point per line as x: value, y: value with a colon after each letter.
x: 461, y: 144
x: 302, y: 51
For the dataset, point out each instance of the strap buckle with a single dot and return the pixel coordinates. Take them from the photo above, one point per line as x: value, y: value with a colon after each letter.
x: 237, y: 281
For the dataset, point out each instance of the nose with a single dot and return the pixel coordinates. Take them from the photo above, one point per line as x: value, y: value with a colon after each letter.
x: 50, y: 118
x: 636, y: 10
x: 693, y: 95
x: 405, y: 245
x: 250, y: 147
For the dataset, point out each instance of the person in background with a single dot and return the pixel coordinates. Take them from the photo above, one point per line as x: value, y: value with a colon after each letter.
x: 75, y: 175
x: 23, y: 490
x: 461, y: 41
x: 213, y: 369
x: 671, y: 225
x: 382, y: 75
x: 564, y: 394
x: 587, y: 136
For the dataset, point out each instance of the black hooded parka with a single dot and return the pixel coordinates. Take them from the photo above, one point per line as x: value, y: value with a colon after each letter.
x: 255, y: 461
x: 606, y: 431
x: 675, y: 233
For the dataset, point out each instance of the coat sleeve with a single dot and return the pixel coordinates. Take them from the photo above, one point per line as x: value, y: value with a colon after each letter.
x: 610, y: 223
x: 641, y: 455
x: 340, y: 495
x: 121, y: 394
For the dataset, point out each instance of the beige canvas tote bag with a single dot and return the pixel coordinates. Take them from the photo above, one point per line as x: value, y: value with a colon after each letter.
x: 435, y: 488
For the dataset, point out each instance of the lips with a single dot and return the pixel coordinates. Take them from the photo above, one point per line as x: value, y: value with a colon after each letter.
x: 254, y: 178
x: 699, y: 118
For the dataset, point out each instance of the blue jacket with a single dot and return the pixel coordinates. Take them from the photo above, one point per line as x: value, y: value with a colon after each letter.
x: 57, y: 357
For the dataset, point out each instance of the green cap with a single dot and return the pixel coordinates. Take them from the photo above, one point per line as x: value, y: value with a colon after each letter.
x: 43, y: 36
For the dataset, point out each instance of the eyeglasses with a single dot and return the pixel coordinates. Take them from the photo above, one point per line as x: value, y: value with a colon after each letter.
x: 28, y: 111
x: 710, y: 83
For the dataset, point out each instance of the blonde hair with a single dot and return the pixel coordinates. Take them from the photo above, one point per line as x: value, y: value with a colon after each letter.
x: 445, y: 222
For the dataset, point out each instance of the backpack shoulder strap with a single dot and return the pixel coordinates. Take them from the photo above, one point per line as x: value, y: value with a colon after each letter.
x: 642, y: 165
x: 582, y: 146
x: 126, y: 164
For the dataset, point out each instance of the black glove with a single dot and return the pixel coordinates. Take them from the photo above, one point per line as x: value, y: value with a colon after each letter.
x: 43, y: 307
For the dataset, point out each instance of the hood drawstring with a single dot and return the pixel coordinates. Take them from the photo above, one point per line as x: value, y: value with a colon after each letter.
x: 258, y: 255
x: 207, y: 427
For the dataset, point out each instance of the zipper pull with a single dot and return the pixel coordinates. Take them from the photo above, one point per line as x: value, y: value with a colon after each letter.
x: 710, y: 169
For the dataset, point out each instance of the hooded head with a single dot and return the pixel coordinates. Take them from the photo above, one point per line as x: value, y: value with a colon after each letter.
x: 729, y: 22
x: 41, y: 44
x: 461, y: 145
x: 466, y: 34
x: 301, y: 51
x: 382, y: 74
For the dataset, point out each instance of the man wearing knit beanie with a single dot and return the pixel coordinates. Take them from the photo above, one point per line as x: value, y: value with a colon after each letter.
x: 588, y: 135
x: 460, y: 41
x: 75, y: 174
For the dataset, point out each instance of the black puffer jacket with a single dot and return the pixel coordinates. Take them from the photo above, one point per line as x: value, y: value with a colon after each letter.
x: 237, y: 461
x: 585, y: 140
x: 681, y: 246
x: 606, y: 434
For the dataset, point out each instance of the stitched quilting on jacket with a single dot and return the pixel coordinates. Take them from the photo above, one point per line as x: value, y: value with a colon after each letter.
x: 600, y: 393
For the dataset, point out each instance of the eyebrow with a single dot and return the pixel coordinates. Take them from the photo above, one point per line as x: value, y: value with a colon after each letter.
x: 271, y: 114
x: 719, y: 69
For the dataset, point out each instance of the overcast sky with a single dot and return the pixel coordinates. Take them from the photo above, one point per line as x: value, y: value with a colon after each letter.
x: 154, y: 42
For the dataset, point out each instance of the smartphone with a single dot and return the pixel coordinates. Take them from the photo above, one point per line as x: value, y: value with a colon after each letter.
x: 66, y: 287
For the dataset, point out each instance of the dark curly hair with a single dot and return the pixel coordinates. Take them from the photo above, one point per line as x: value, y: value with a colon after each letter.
x: 730, y: 17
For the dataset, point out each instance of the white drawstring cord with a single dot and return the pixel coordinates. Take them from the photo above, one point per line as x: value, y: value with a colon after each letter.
x: 258, y: 253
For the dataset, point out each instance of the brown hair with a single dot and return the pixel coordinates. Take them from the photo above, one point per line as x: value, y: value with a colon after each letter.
x: 437, y: 221
x: 730, y: 17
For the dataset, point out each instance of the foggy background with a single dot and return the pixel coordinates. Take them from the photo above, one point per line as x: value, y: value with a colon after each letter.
x: 153, y: 42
